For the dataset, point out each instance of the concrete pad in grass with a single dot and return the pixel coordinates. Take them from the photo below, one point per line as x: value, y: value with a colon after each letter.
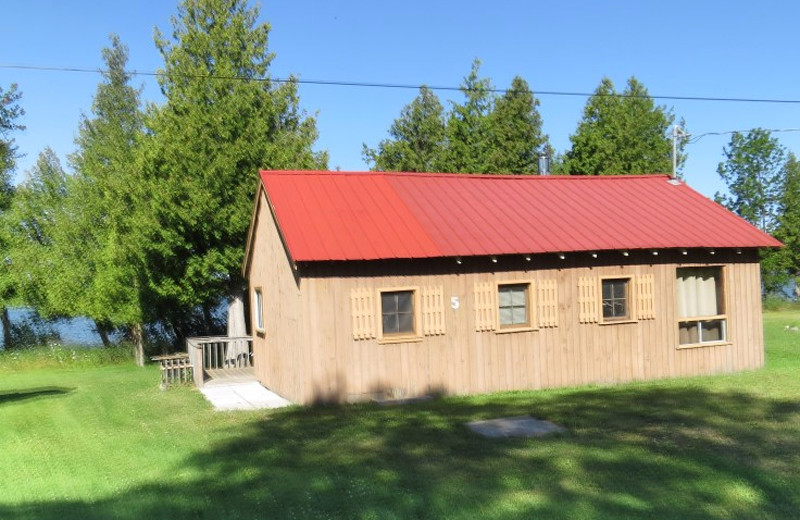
x: 523, y: 426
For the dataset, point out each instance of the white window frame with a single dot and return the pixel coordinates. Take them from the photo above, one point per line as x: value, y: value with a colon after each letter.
x: 721, y: 299
x: 258, y: 309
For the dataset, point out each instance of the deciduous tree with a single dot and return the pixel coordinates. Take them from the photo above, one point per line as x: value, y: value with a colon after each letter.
x: 788, y: 229
x: 753, y: 172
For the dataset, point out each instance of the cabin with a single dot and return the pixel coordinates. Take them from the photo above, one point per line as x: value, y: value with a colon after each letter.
x: 372, y: 285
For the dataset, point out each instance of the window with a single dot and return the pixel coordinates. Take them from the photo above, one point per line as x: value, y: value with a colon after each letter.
x: 397, y: 309
x: 259, y: 309
x: 615, y: 298
x: 701, y: 305
x: 513, y: 305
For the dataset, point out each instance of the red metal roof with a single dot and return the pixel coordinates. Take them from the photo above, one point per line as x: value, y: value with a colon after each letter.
x: 375, y: 215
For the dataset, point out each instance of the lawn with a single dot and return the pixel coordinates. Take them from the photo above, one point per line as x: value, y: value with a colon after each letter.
x: 88, y: 442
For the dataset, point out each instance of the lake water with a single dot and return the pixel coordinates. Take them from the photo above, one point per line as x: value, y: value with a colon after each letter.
x: 77, y: 331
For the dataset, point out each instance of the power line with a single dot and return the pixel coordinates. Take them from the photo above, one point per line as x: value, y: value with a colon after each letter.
x: 365, y: 84
x: 695, y: 138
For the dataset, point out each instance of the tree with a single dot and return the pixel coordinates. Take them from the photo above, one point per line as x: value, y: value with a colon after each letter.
x: 622, y: 133
x: 10, y: 112
x: 34, y: 248
x: 752, y: 171
x: 417, y: 138
x: 468, y: 126
x: 515, y: 129
x: 484, y: 134
x: 223, y: 120
x: 788, y: 228
x: 106, y: 203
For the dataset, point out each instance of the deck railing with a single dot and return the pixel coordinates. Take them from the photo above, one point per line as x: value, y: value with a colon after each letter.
x: 218, y: 353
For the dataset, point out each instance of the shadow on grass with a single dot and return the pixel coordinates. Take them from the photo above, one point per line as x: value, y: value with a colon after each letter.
x: 10, y: 396
x: 629, y: 453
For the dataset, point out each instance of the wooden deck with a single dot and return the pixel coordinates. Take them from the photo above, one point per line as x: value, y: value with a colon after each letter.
x: 221, y: 359
x: 229, y: 375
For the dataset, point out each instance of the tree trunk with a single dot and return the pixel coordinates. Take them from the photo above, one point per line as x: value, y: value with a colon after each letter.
x: 102, y: 331
x: 138, y: 343
x: 797, y: 288
x: 7, y: 341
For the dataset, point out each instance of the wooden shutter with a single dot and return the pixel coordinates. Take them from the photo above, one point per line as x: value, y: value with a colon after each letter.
x: 644, y: 297
x: 432, y: 310
x: 587, y: 300
x: 362, y: 308
x: 485, y: 306
x: 548, y: 303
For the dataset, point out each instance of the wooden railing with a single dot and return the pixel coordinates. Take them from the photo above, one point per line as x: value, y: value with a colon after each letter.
x: 216, y: 354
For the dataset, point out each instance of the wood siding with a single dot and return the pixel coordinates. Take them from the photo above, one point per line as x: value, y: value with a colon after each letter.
x: 322, y: 344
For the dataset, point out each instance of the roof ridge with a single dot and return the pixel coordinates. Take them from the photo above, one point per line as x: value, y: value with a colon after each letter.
x: 461, y: 175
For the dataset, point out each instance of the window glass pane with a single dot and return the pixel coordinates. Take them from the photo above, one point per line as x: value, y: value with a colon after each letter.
x: 390, y: 325
x: 506, y: 316
x: 518, y: 298
x: 713, y: 330
x: 504, y: 297
x: 259, y: 310
x: 688, y: 333
x: 615, y: 298
x: 388, y: 302
x: 405, y: 322
x: 397, y: 309
x: 404, y: 301
x: 519, y: 316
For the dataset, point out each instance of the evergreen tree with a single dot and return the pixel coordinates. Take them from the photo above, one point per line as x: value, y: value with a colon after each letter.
x: 34, y: 248
x: 417, y: 138
x: 10, y: 112
x: 107, y: 205
x: 485, y: 134
x: 468, y: 126
x: 623, y: 133
x: 223, y: 120
x: 516, y: 139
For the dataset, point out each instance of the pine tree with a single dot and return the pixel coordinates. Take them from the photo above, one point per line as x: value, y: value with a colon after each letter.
x: 223, y: 120
x: 417, y: 138
x: 622, y: 133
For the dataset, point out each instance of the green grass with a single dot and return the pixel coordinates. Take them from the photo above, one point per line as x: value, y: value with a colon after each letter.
x: 103, y: 442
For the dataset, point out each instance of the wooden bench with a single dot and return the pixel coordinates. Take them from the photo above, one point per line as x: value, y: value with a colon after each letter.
x: 175, y: 368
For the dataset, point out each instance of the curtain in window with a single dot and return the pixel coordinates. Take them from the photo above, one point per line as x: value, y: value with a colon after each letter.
x: 697, y: 291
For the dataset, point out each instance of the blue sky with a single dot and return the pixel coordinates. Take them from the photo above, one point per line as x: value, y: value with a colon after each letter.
x: 678, y: 48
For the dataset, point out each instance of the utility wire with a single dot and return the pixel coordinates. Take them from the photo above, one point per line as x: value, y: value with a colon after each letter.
x: 695, y: 138
x: 363, y: 84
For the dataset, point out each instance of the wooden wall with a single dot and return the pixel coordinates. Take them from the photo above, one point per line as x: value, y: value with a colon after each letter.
x: 309, y: 353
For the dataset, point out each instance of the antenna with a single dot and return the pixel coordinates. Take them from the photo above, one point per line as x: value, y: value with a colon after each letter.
x: 676, y: 133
